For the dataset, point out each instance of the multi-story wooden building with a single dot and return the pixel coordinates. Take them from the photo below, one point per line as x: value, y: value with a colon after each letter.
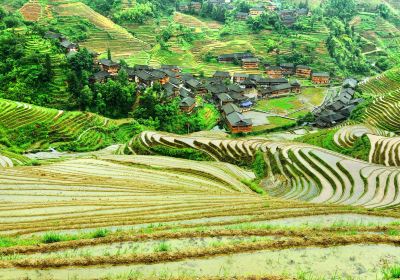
x: 303, y: 71
x: 320, y: 78
x: 187, y: 104
x: 256, y: 11
x: 109, y: 66
x: 288, y: 69
x: 238, y: 124
x: 240, y: 77
x: 274, y: 72
x: 250, y: 63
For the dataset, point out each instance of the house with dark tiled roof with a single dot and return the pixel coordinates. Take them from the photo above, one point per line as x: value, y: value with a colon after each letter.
x: 239, y: 77
x: 288, y: 69
x: 223, y: 99
x: 274, y: 72
x: 303, y: 71
x: 237, y: 123
x: 338, y: 108
x: 320, y: 78
x: 109, y: 66
x: 229, y: 109
x: 187, y: 104
x: 242, y: 16
x: 100, y: 77
x: 250, y: 63
x: 68, y: 46
x: 222, y: 75
x: 256, y: 11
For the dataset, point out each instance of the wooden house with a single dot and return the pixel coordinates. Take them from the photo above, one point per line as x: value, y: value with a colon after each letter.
x: 109, y: 66
x: 223, y: 99
x: 183, y: 7
x: 320, y: 78
x: 296, y: 86
x: 250, y: 63
x: 303, y: 71
x: 288, y: 69
x: 242, y: 16
x: 222, y: 75
x: 238, y: 124
x: 195, y: 6
x: 100, y: 77
x: 274, y: 72
x: 145, y: 78
x: 271, y: 6
x: 195, y: 86
x: 226, y: 58
x: 54, y: 36
x: 239, y: 77
x: 68, y: 46
x: 256, y: 11
x: 160, y: 76
x: 280, y: 90
x: 187, y: 104
x: 229, y: 109
x: 172, y: 68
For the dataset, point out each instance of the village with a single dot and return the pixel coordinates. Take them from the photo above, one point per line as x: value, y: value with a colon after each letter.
x: 287, y: 16
x: 233, y: 94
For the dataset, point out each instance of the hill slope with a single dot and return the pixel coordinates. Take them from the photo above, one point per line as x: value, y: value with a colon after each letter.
x: 31, y: 127
x: 105, y: 34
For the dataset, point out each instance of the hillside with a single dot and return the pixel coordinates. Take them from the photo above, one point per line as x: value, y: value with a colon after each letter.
x: 181, y: 173
x: 28, y: 127
x: 104, y: 34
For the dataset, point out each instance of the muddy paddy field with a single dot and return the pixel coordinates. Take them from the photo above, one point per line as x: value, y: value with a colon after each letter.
x: 131, y: 217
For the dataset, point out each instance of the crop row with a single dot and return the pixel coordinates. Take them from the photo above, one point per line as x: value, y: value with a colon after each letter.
x: 306, y: 172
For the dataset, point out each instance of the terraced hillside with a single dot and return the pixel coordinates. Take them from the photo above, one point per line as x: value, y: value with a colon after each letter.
x: 64, y: 130
x: 382, y: 84
x: 58, y: 88
x: 32, y: 10
x: 300, y: 171
x: 384, y: 111
x: 106, y: 34
x: 10, y: 159
x: 146, y: 217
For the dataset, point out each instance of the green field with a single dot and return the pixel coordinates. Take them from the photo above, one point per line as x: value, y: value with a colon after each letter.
x: 309, y: 98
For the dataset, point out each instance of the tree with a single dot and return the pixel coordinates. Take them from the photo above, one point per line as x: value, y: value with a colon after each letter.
x: 109, y: 55
x: 343, y: 9
x: 85, y: 98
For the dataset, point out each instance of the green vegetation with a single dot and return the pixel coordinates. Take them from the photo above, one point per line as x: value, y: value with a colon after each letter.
x: 324, y: 139
x: 52, y: 237
x: 164, y: 113
x: 391, y: 272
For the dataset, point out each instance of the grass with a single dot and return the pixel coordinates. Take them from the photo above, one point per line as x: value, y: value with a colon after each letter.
x: 99, y: 233
x: 254, y: 186
x: 162, y: 247
x: 52, y: 237
x: 391, y: 272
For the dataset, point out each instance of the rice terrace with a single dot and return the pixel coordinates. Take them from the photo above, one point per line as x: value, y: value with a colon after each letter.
x: 205, y: 139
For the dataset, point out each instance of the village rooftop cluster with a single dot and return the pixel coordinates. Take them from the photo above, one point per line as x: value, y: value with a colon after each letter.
x: 287, y: 16
x: 232, y: 94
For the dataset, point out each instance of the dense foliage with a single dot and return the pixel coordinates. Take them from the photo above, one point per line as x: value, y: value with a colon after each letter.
x: 135, y: 11
x: 324, y: 139
x: 165, y: 115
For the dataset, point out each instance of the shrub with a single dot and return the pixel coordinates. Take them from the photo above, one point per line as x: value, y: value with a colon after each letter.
x: 259, y: 165
x: 51, y: 237
x: 392, y: 272
x: 163, y: 247
x: 254, y: 186
x: 186, y: 153
x: 99, y: 233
